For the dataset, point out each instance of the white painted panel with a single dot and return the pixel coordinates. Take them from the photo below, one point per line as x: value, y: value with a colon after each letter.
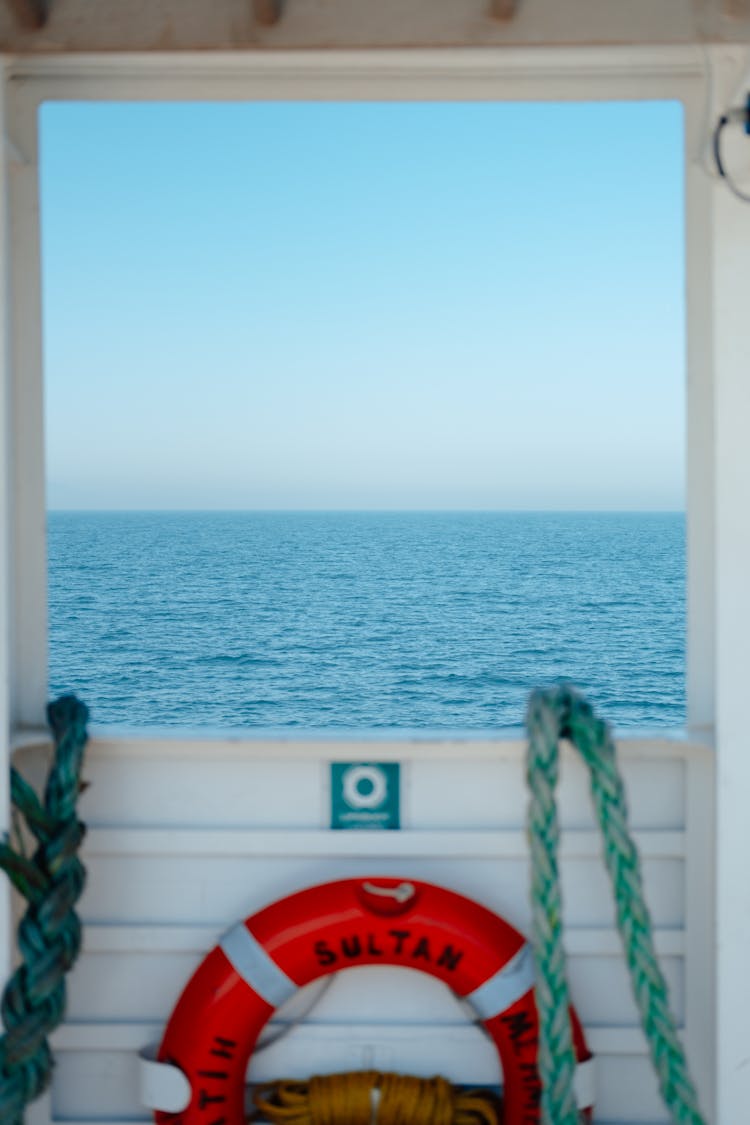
x: 589, y: 942
x: 383, y: 994
x: 731, y: 339
x: 219, y: 890
x: 655, y: 793
x: 145, y: 986
x: 102, y: 1082
x: 600, y: 989
x: 7, y: 707
x: 164, y: 889
x: 459, y: 1053
x: 627, y: 1090
x: 700, y: 931
x: 28, y: 667
x: 456, y: 75
x: 234, y: 794
x: 282, y: 792
x: 132, y: 1036
x: 487, y: 794
x: 587, y: 896
x: 193, y: 880
x: 509, y: 843
x: 114, y: 986
x: 701, y: 429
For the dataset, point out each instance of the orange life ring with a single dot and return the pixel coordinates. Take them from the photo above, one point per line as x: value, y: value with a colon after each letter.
x: 260, y: 963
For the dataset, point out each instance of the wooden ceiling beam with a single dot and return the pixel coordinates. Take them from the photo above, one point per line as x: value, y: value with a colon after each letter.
x: 30, y: 14
x: 503, y: 9
x: 736, y: 9
x: 268, y: 12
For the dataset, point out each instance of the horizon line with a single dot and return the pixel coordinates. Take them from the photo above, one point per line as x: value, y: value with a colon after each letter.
x: 366, y: 511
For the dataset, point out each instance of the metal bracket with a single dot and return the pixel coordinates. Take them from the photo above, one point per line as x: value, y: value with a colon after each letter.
x: 163, y: 1086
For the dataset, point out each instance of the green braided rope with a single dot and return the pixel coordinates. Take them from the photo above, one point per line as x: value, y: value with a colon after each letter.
x: 49, y: 935
x: 552, y: 715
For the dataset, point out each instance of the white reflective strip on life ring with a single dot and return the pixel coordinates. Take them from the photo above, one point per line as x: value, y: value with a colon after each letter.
x: 507, y: 986
x: 162, y: 1085
x: 248, y: 958
x: 584, y: 1083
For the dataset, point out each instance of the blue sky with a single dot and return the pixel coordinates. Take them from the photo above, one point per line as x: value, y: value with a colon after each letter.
x: 393, y: 306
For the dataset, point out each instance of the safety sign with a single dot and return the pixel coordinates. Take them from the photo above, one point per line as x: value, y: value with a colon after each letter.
x: 365, y: 794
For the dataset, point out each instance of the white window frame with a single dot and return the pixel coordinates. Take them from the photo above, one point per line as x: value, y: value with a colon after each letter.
x: 718, y: 398
x: 553, y: 74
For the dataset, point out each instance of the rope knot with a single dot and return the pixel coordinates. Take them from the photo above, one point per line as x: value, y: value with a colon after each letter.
x: 49, y: 935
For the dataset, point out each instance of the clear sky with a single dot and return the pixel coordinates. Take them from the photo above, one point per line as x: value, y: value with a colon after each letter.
x: 364, y: 306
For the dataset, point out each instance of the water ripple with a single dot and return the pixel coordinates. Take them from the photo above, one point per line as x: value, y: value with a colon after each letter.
x: 369, y: 620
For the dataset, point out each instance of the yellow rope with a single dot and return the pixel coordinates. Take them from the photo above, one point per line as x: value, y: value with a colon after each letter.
x: 344, y: 1099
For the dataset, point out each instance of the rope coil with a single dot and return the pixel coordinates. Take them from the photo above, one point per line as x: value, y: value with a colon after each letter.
x: 347, y: 1099
x: 49, y: 935
x: 561, y: 713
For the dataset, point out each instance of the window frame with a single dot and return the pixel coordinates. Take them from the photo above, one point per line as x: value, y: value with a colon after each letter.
x: 705, y: 80
x: 547, y: 74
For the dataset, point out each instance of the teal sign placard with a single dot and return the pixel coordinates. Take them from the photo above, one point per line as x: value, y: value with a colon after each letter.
x: 365, y: 795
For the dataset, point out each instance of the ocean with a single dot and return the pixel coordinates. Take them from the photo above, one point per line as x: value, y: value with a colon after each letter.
x: 359, y: 621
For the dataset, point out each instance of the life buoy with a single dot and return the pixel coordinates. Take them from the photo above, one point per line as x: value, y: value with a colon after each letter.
x: 260, y: 963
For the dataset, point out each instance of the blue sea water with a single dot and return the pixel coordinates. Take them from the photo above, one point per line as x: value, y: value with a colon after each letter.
x: 365, y: 620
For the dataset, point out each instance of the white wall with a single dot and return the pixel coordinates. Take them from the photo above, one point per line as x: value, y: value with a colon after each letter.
x: 186, y: 839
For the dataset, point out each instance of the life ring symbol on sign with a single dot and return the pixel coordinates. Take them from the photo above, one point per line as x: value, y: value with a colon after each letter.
x: 364, y: 787
x: 261, y: 962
